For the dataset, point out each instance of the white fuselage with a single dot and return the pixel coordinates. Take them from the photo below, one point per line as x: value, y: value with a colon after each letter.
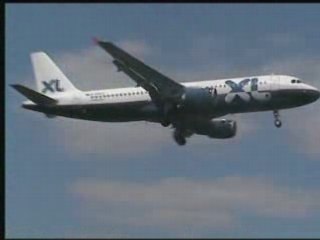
x: 236, y: 95
x: 266, y: 83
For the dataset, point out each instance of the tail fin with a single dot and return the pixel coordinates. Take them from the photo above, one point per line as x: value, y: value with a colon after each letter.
x: 34, y: 96
x: 49, y: 78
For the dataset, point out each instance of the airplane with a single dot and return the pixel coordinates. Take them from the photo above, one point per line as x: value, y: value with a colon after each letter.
x: 188, y: 107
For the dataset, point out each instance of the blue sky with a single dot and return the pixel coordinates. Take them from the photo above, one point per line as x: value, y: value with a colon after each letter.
x: 72, y: 178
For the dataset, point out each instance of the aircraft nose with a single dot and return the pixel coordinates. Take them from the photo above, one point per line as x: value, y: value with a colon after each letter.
x: 312, y: 95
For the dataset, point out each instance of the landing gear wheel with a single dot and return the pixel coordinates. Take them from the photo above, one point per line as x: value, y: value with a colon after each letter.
x: 277, y: 123
x: 179, y: 138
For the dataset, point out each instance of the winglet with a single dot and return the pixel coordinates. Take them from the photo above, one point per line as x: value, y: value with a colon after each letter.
x: 95, y: 40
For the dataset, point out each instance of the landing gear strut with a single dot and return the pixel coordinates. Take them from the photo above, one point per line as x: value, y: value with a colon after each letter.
x: 277, y: 121
x: 179, y: 138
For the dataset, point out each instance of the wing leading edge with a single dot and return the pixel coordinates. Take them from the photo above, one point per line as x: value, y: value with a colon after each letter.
x: 160, y: 87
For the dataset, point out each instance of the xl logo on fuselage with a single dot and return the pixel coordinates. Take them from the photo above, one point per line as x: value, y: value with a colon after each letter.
x: 237, y: 89
x: 53, y: 86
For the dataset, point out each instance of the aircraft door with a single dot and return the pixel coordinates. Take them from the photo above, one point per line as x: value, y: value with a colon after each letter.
x: 274, y: 82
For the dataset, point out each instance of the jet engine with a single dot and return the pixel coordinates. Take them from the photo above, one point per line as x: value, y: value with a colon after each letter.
x: 217, y: 128
x: 197, y: 99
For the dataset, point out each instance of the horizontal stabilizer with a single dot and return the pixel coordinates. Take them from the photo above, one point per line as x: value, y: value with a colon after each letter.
x: 34, y: 96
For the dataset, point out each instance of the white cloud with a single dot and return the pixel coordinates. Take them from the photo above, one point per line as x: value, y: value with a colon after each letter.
x: 179, y: 204
x: 118, y: 140
x: 114, y: 139
x: 91, y: 69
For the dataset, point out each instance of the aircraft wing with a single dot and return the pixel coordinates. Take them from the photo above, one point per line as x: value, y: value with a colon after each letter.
x: 160, y: 87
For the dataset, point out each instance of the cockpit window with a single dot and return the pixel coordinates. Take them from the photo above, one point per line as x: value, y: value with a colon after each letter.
x: 295, y: 81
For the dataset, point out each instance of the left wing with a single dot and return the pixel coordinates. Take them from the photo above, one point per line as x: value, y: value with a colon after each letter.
x: 160, y: 87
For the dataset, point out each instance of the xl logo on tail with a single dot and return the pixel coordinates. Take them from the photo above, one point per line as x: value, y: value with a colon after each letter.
x: 53, y: 86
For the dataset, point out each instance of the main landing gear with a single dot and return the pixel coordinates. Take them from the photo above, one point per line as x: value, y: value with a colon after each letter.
x: 179, y: 137
x: 277, y: 121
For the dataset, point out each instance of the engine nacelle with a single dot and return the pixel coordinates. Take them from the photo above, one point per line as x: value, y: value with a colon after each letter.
x: 197, y: 99
x: 218, y: 128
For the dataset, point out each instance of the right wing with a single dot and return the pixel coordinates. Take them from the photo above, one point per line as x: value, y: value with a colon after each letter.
x: 160, y: 87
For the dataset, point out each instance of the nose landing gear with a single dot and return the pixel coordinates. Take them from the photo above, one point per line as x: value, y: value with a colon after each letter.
x: 277, y: 121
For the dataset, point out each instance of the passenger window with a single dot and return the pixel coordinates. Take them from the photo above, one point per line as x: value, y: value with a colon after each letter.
x: 293, y: 81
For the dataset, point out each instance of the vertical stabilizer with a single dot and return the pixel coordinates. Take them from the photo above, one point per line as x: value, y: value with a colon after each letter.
x: 49, y: 78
